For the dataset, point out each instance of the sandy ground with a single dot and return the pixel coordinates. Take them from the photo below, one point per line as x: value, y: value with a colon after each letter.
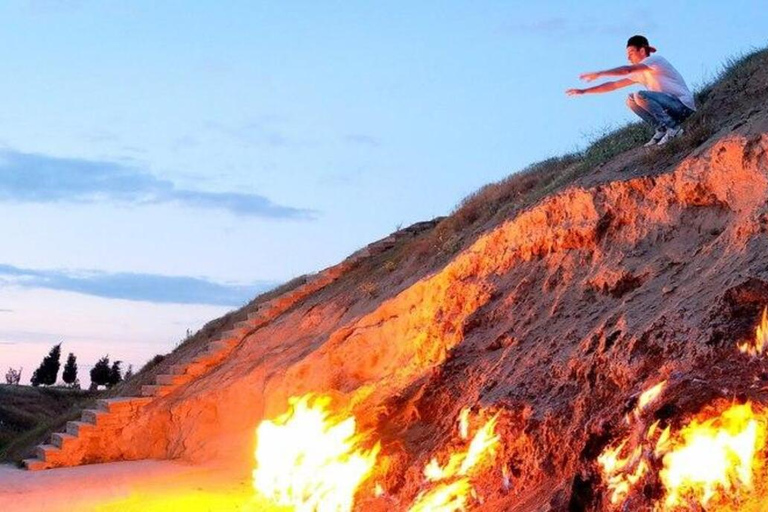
x: 127, y: 486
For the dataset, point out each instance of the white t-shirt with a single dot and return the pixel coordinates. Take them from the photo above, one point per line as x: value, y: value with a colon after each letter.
x: 662, y: 77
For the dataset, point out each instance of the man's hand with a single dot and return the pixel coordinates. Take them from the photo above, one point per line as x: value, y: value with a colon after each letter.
x: 574, y: 92
x: 590, y: 77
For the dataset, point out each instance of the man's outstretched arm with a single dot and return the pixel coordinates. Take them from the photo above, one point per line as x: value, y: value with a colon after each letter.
x: 606, y: 87
x: 619, y: 71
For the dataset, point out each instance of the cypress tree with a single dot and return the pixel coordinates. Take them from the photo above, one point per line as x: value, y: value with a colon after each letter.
x: 48, y: 370
x: 100, y: 372
x: 115, y: 375
x: 69, y: 376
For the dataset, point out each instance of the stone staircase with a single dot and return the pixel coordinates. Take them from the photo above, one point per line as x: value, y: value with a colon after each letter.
x: 80, y: 443
x: 83, y: 440
x: 92, y: 438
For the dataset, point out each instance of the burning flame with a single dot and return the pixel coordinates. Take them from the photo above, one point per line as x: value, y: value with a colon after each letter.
x: 757, y: 346
x: 649, y: 396
x: 713, y: 460
x: 464, y: 423
x: 646, y: 398
x: 452, y: 496
x: 310, y: 459
x: 712, y: 457
x: 446, y: 498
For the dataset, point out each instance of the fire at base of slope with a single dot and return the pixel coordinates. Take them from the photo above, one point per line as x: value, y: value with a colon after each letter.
x: 311, y: 459
x: 716, y: 461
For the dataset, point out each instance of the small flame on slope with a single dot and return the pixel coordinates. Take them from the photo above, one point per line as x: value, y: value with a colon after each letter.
x: 310, y: 459
x: 645, y: 399
x: 446, y: 498
x: 464, y: 423
x: 713, y: 460
x: 453, y: 496
x: 757, y: 346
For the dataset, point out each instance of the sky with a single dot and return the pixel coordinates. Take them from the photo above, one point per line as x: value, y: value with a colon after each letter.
x: 161, y: 163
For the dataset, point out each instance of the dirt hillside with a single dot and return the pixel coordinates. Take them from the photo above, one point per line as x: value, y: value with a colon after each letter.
x: 552, y: 318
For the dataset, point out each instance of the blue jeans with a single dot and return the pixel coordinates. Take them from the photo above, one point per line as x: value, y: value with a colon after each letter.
x: 659, y: 109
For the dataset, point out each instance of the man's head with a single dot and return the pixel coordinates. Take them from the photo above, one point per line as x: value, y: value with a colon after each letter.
x: 638, y: 49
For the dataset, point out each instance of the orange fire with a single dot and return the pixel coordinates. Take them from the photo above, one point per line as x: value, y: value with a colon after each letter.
x: 757, y: 346
x: 714, y: 459
x: 446, y: 498
x: 712, y: 462
x: 645, y: 399
x: 454, y: 487
x: 310, y: 459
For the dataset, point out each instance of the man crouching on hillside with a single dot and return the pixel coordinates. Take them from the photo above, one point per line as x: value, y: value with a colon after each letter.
x: 665, y: 104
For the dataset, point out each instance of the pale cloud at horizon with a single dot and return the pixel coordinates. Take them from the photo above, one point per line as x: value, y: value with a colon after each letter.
x: 91, y: 327
x: 39, y: 178
x: 134, y: 286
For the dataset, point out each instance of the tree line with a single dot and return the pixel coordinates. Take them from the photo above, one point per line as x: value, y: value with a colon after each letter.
x: 102, y: 374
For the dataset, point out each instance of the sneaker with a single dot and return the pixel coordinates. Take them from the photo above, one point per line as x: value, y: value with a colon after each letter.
x: 671, y: 133
x: 656, y: 137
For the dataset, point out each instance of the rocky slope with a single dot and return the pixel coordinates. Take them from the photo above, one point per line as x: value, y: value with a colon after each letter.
x: 554, y: 320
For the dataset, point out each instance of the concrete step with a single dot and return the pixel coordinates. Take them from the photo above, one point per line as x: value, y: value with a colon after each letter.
x: 199, y: 366
x: 121, y: 404
x: 173, y: 380
x: 260, y: 315
x: 195, y: 368
x: 177, y: 369
x: 79, y: 428
x: 34, y: 464
x: 47, y: 452
x: 156, y: 391
x: 213, y: 356
x: 241, y: 328
x: 94, y: 416
x: 61, y: 440
x: 222, y: 345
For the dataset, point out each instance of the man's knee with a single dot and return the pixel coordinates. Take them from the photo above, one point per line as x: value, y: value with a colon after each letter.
x: 631, y: 100
x: 642, y: 97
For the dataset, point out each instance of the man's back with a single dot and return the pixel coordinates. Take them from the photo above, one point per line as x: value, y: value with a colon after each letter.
x: 663, y: 77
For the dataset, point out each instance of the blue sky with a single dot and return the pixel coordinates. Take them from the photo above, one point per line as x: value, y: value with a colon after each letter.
x: 184, y: 155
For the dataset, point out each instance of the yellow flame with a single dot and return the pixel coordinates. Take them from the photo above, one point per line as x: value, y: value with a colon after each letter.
x: 309, y: 459
x: 461, y: 463
x: 650, y: 395
x: 714, y: 456
x: 621, y: 473
x: 483, y: 443
x: 464, y: 423
x: 451, y: 497
x: 711, y: 460
x: 757, y: 346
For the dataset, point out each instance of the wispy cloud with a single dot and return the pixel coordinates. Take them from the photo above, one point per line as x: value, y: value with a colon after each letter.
x: 260, y: 131
x: 36, y: 178
x: 362, y: 139
x: 557, y: 26
x: 138, y: 287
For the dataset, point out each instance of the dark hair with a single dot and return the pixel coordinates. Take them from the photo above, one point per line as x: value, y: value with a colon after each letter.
x: 641, y: 42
